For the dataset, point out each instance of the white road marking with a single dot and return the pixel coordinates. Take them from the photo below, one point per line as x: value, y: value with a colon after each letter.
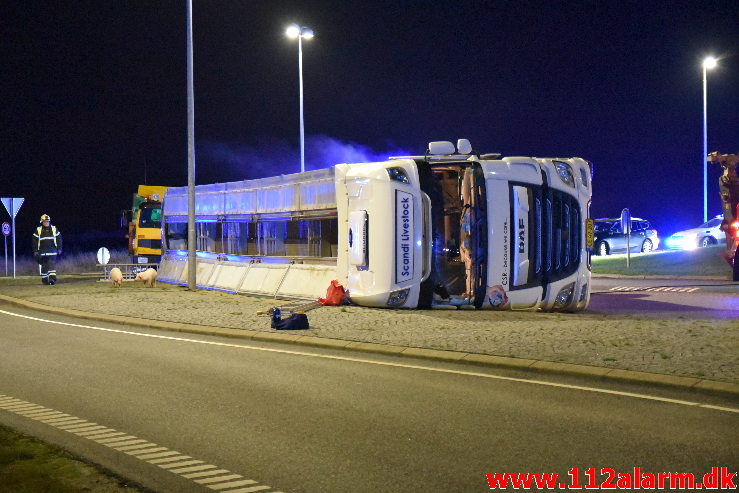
x: 161, y: 457
x: 208, y: 473
x: 663, y: 289
x: 42, y: 414
x: 231, y: 484
x: 104, y: 435
x: 20, y: 407
x: 219, y: 479
x: 180, y: 464
x: 112, y: 441
x: 380, y: 363
x: 79, y: 429
x: 150, y: 453
x: 141, y: 448
x: 169, y: 459
x: 128, y: 444
x: 57, y: 421
x: 193, y: 469
x: 253, y: 489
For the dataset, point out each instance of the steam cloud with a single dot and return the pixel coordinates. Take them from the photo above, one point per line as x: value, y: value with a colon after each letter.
x: 273, y: 157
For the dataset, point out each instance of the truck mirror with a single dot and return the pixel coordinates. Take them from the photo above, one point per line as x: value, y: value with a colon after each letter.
x: 126, y: 217
x: 442, y: 147
x: 464, y: 146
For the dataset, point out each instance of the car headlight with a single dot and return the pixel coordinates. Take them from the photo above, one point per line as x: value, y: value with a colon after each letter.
x: 398, y: 298
x: 398, y: 174
x: 564, y: 171
x: 564, y: 297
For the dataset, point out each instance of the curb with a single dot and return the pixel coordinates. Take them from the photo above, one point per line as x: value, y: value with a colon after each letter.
x: 540, y: 366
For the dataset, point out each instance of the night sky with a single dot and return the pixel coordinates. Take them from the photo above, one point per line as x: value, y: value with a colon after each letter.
x: 94, y: 95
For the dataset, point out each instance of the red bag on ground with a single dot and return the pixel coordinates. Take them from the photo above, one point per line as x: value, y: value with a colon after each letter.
x: 334, y: 294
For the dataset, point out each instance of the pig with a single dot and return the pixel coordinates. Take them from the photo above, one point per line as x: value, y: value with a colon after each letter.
x: 116, y: 277
x: 149, y: 276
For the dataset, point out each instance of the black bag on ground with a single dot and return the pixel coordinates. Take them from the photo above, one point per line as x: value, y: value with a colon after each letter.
x: 296, y: 321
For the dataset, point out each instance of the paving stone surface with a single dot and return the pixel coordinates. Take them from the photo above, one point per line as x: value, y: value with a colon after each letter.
x: 685, y: 346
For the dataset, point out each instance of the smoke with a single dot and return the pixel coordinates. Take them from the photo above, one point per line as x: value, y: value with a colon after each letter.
x: 269, y: 157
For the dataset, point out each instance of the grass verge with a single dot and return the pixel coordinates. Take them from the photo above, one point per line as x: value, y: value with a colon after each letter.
x: 700, y: 262
x: 28, y: 465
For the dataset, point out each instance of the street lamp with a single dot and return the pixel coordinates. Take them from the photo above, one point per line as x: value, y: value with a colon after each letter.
x: 300, y: 32
x: 708, y: 63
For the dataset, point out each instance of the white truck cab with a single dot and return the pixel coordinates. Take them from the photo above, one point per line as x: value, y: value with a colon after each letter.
x: 451, y: 227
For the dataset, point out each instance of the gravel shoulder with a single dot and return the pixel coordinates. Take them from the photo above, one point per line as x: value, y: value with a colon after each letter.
x: 682, y: 347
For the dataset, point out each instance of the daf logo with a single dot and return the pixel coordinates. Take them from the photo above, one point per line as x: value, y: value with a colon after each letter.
x: 521, y: 236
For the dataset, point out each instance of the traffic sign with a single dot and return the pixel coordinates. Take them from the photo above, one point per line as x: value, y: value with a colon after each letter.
x: 626, y: 221
x: 6, y: 229
x: 12, y: 205
x: 103, y: 256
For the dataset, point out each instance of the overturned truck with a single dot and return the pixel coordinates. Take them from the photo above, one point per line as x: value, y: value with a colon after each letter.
x: 446, y: 228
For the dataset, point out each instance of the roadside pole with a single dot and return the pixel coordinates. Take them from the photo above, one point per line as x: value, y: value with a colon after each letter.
x: 191, y: 237
x: 626, y: 229
x: 13, y: 205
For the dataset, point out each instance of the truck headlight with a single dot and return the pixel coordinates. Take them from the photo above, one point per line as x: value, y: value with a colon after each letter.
x: 564, y: 297
x: 398, y: 174
x: 398, y: 298
x: 564, y: 171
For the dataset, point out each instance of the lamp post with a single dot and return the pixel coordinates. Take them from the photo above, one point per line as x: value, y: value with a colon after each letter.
x: 300, y: 32
x: 191, y: 234
x: 708, y: 63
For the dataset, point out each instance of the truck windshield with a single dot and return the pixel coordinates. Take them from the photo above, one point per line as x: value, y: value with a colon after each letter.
x: 151, y: 216
x: 458, y: 217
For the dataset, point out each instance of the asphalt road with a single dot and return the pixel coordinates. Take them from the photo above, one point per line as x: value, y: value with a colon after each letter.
x: 666, y: 298
x: 283, y: 418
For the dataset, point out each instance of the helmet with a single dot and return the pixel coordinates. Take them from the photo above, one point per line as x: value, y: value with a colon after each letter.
x: 45, y: 217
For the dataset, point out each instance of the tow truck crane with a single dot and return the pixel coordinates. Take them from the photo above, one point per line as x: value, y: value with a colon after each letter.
x: 728, y: 184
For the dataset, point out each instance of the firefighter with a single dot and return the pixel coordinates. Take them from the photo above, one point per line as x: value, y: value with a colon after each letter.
x: 47, y: 244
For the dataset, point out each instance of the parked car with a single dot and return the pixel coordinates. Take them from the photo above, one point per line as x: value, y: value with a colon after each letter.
x: 705, y: 235
x: 609, y: 238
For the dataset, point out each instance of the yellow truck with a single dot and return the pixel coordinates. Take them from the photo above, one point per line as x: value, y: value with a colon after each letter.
x: 145, y: 225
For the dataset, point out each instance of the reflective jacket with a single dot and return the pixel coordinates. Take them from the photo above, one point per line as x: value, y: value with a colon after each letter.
x: 47, y: 240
